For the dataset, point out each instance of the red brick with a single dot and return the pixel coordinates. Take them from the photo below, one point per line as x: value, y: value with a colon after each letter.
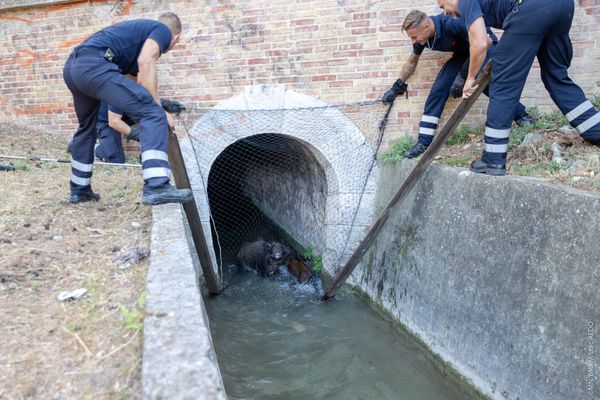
x: 318, y: 78
x: 358, y: 24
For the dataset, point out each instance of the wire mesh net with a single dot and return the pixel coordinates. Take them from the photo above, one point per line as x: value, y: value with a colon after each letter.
x: 292, y: 175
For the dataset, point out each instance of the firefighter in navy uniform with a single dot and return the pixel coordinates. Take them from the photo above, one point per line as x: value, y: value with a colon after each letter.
x: 112, y: 124
x: 446, y: 34
x: 96, y: 71
x: 531, y: 28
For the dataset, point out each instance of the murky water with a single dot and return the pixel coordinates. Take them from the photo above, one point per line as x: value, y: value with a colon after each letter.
x: 275, y: 340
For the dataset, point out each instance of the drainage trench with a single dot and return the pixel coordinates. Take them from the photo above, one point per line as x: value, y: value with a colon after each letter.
x: 272, y: 336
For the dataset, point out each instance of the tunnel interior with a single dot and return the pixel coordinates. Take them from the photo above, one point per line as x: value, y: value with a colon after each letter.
x: 269, y: 187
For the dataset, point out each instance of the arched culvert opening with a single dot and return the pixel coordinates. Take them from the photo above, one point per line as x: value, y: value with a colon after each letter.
x: 266, y: 186
x: 341, y: 140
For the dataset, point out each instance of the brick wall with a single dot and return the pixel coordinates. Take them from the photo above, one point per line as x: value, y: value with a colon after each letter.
x: 339, y: 50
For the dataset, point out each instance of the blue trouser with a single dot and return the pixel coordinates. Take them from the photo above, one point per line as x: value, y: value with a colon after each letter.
x: 436, y: 101
x: 92, y: 79
x: 548, y: 39
x: 110, y: 145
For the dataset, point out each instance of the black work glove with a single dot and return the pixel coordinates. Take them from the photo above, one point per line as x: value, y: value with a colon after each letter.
x: 134, y: 134
x: 457, y: 86
x: 397, y: 89
x: 173, y: 107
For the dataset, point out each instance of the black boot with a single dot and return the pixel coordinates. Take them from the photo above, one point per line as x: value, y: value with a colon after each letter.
x: 415, y: 151
x: 481, y: 167
x: 166, y: 194
x: 525, y: 120
x: 84, y: 196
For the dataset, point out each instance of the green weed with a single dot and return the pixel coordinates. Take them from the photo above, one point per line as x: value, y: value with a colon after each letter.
x: 523, y: 170
x: 553, y: 120
x: 119, y: 192
x: 132, y: 318
x: 459, y: 161
x: 397, y: 150
x: 316, y: 261
x: 554, y: 166
x: 463, y: 134
x: 22, y: 166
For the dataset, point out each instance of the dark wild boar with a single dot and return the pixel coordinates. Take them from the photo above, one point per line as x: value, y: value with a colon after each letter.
x: 263, y: 257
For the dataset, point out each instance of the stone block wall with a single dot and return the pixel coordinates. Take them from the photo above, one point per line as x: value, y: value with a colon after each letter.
x: 338, y: 50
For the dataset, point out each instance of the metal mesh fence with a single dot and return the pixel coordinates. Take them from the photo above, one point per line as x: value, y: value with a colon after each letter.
x: 287, y: 174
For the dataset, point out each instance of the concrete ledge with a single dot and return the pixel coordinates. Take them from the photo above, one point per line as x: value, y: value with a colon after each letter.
x: 179, y: 360
x: 497, y: 275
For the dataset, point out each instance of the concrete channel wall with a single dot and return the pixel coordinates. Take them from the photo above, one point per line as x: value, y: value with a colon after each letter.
x: 498, y: 276
x: 179, y: 360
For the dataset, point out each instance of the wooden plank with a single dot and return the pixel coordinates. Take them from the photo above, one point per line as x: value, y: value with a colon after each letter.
x: 419, y: 170
x: 191, y: 211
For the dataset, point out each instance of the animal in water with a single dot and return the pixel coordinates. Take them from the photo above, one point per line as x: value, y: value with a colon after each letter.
x: 262, y: 257
x: 298, y: 267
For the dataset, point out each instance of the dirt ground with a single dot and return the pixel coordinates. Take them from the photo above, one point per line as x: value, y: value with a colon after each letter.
x: 555, y: 155
x: 90, y: 347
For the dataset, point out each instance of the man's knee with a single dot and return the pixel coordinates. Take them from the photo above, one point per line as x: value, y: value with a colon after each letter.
x: 155, y: 113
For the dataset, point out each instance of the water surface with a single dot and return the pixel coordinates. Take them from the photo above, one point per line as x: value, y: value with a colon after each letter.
x: 275, y: 340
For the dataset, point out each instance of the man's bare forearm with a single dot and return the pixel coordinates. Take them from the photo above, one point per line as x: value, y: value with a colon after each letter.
x: 148, y: 78
x: 409, y: 67
x: 478, y: 45
x: 116, y: 122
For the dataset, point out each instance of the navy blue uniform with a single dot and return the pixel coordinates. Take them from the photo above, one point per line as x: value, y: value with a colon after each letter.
x: 531, y: 28
x: 110, y: 143
x: 94, y: 73
x: 451, y: 35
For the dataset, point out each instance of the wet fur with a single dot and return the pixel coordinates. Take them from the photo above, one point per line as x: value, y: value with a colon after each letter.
x: 298, y: 268
x: 262, y: 257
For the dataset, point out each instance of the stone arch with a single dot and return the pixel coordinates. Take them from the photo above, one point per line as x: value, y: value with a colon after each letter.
x: 341, y: 149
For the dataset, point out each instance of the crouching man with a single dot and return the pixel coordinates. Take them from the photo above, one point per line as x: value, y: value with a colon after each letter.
x: 446, y: 34
x: 96, y: 71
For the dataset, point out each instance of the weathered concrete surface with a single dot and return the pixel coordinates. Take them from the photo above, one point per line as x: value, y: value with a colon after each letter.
x: 341, y: 152
x: 11, y: 4
x: 179, y: 360
x: 294, y: 195
x: 499, y: 276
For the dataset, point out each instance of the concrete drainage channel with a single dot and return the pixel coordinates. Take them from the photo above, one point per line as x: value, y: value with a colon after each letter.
x: 498, y: 277
x: 508, y: 306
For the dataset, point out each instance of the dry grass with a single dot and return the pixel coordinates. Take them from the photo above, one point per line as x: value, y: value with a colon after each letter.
x: 82, y: 348
x: 579, y: 168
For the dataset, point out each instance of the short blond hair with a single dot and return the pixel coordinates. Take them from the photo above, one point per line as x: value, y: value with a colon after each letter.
x: 414, y: 19
x: 172, y: 21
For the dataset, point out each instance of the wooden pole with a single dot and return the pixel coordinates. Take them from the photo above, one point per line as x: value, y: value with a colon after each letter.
x: 419, y: 170
x: 191, y: 211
